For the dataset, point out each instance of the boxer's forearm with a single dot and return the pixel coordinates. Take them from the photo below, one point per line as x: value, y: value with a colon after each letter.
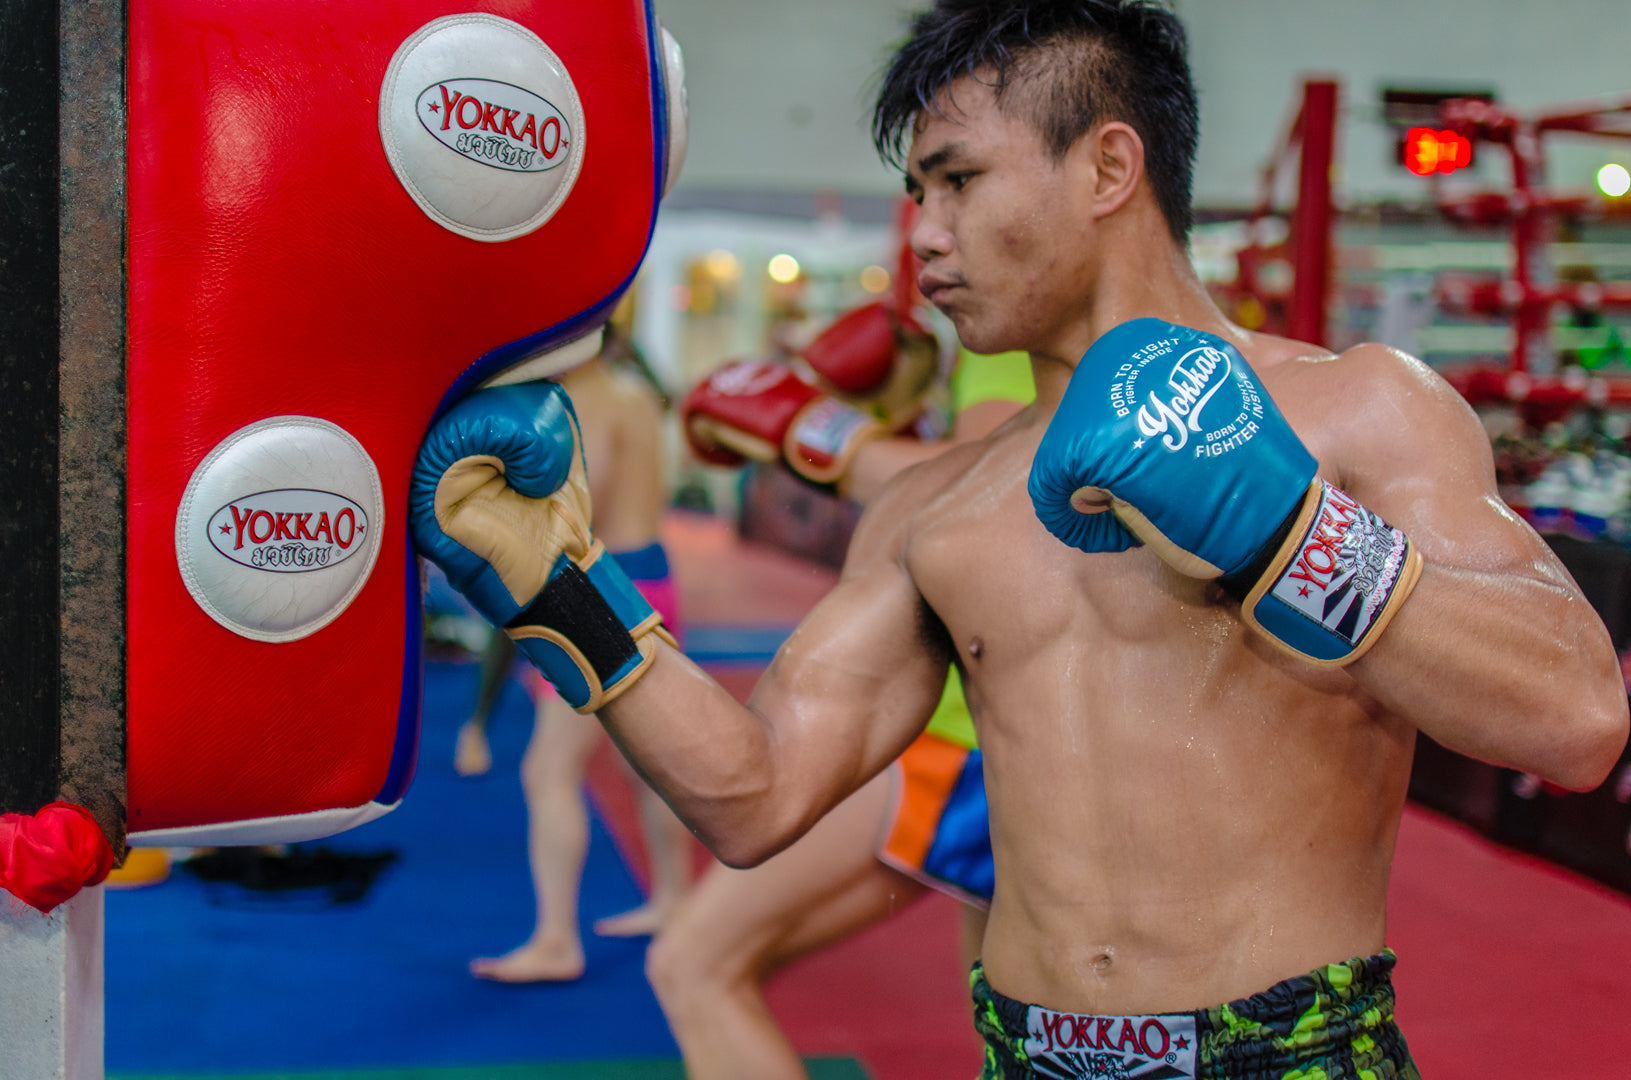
x: 1511, y: 669
x: 847, y: 692
x: 877, y: 462
x: 726, y: 770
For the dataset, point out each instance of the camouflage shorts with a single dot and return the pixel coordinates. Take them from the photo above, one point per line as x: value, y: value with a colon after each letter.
x: 1332, y: 1024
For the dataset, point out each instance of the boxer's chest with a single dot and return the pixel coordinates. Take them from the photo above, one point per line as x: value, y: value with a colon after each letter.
x: 1010, y: 592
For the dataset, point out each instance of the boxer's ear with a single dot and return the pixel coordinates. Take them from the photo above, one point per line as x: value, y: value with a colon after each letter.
x: 1115, y: 154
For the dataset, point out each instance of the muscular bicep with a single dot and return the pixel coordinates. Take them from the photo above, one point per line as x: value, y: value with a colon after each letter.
x: 1496, y: 652
x: 1417, y: 455
x: 859, y: 678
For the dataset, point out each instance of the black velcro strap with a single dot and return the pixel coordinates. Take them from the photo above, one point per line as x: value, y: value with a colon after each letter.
x: 571, y: 606
x: 1239, y: 584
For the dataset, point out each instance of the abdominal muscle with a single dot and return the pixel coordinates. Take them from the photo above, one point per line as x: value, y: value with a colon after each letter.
x: 1181, y: 817
x: 1181, y: 814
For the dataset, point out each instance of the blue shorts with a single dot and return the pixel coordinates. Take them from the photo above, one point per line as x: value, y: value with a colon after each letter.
x: 940, y: 829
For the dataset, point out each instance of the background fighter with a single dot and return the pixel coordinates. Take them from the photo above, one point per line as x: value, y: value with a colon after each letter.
x: 919, y: 825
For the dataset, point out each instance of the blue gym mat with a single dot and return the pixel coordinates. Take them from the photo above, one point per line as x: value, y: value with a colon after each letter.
x: 205, y: 978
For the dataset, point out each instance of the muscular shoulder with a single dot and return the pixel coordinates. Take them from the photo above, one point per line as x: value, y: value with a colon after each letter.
x: 895, y: 511
x: 957, y: 481
x: 1374, y: 408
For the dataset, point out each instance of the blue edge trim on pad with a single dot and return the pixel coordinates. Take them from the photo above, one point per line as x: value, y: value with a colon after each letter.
x: 405, y: 754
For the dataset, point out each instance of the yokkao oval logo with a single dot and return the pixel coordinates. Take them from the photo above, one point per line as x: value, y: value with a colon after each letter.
x: 495, y: 123
x: 290, y: 531
x: 265, y: 541
x: 482, y: 124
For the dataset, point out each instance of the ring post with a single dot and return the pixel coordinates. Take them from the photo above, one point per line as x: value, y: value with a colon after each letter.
x: 62, y: 496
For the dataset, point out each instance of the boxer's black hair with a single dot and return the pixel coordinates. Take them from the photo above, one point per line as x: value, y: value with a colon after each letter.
x: 1066, y: 66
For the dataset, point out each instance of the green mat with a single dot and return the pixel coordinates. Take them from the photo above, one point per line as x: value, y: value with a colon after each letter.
x: 820, y: 1069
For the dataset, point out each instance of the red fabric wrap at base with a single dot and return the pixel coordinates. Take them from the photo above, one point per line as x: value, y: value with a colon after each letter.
x: 47, y: 857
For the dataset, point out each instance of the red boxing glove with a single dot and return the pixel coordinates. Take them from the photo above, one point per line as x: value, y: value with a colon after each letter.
x: 46, y: 858
x: 878, y: 360
x: 857, y: 352
x: 759, y: 410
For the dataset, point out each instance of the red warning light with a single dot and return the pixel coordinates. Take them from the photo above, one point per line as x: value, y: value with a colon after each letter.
x: 1427, y: 151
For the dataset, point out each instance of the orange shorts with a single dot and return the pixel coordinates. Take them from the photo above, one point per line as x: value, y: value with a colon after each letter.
x: 939, y: 830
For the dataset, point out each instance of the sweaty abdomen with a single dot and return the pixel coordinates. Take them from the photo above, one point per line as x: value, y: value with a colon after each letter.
x: 1175, y: 816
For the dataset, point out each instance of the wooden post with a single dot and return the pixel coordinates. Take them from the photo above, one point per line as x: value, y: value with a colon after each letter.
x: 91, y: 411
x: 62, y: 495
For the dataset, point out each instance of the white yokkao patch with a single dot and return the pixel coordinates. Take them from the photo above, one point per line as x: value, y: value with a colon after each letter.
x: 279, y: 527
x: 679, y: 113
x: 482, y: 124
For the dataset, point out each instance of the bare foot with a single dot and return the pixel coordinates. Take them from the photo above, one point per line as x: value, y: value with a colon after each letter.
x: 534, y: 961
x: 472, y: 756
x: 645, y: 919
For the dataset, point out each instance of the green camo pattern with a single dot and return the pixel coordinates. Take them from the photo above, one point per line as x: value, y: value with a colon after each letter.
x: 1335, y: 1023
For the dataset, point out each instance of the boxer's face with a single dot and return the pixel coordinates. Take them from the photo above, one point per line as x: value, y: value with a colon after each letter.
x: 1006, y: 230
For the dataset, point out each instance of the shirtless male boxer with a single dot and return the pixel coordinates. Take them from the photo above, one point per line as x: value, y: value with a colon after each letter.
x: 925, y: 815
x: 1192, y: 826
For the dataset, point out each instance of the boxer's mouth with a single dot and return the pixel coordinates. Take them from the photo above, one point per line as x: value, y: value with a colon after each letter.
x: 931, y: 285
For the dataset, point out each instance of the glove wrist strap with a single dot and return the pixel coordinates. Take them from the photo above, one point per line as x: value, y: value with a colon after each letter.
x: 824, y: 438
x: 589, y: 630
x: 1240, y: 583
x: 1333, y: 582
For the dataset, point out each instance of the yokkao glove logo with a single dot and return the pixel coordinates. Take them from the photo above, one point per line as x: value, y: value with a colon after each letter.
x: 1196, y: 377
x: 1178, y: 410
x: 481, y: 123
x: 1346, y: 568
x: 279, y: 527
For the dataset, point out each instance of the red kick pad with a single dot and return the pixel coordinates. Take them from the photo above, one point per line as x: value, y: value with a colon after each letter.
x: 341, y: 216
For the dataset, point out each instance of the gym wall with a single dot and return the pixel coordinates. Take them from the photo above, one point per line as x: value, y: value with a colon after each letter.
x: 780, y: 89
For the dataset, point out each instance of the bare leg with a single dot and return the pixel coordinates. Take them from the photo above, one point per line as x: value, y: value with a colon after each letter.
x: 472, y: 755
x: 557, y: 840
x: 738, y: 926
x: 971, y: 932
x: 669, y: 845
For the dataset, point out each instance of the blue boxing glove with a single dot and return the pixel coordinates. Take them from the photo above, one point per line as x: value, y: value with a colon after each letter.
x: 500, y: 501
x: 1168, y: 428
